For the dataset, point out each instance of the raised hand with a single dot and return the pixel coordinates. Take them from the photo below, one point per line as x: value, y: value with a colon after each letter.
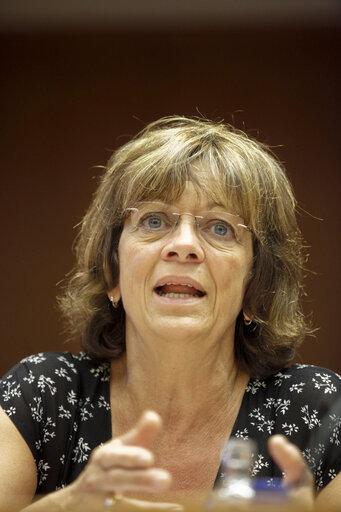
x: 297, y: 475
x: 122, y: 465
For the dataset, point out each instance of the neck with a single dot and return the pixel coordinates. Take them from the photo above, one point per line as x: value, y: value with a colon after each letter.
x: 182, y: 380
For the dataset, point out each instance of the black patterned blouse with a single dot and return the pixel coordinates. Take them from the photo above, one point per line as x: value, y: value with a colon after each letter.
x: 61, y: 405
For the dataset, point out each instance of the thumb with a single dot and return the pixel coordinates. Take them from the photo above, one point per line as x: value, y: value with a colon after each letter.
x: 145, y: 431
x: 290, y: 460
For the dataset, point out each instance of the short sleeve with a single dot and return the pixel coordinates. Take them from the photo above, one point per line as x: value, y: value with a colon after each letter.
x: 20, y: 397
x: 38, y: 396
x: 60, y: 403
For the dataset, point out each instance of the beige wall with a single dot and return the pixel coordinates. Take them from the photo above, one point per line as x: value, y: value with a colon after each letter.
x: 68, y: 99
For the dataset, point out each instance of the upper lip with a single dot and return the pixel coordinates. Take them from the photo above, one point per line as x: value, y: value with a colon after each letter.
x: 180, y: 280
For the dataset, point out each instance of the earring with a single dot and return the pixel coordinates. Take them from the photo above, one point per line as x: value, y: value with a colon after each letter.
x: 250, y: 324
x: 114, y: 303
x: 247, y: 319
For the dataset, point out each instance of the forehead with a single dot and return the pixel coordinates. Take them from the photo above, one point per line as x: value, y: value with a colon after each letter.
x: 193, y: 198
x: 200, y: 186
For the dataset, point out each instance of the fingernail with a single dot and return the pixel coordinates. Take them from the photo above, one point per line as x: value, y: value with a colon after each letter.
x: 144, y: 458
x: 161, y: 481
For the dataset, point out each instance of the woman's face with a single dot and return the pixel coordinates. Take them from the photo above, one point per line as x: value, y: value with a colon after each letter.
x: 179, y: 286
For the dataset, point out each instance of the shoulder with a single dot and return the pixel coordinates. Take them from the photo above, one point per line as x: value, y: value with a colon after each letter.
x: 51, y: 362
x: 309, y: 381
x: 307, y: 372
x: 48, y: 372
x: 305, y: 391
x: 61, y: 364
x: 298, y: 378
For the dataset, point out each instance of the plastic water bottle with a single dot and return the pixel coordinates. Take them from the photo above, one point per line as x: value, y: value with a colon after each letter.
x: 237, y: 489
x: 236, y: 486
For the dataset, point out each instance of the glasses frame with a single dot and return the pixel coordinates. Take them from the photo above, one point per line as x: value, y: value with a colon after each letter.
x: 196, y: 218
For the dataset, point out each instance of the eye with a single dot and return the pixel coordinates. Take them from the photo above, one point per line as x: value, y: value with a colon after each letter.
x: 219, y: 230
x: 154, y: 221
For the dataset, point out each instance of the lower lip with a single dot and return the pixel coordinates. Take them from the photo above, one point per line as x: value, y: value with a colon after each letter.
x: 162, y: 299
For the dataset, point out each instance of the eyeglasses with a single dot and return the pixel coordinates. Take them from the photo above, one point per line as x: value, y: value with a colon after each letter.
x: 153, y: 220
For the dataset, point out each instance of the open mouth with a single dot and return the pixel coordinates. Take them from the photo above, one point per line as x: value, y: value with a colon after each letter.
x: 179, y: 291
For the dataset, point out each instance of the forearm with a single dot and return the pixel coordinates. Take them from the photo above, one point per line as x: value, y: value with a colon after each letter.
x: 62, y: 500
x: 330, y: 497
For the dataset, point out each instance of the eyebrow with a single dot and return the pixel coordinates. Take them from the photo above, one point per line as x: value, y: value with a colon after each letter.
x: 210, y: 205
x: 213, y: 204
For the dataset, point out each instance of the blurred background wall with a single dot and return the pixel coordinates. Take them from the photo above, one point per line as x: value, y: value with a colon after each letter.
x: 78, y: 78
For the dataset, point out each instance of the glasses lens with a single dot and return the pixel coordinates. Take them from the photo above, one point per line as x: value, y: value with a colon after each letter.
x: 154, y: 218
x: 219, y: 228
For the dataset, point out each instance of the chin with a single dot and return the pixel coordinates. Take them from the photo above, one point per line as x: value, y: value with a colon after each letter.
x: 180, y: 329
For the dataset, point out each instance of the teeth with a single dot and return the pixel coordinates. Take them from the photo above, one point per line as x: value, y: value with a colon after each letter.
x: 177, y: 295
x: 181, y: 284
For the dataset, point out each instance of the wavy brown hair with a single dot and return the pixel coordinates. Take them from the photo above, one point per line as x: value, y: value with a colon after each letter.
x: 239, y: 173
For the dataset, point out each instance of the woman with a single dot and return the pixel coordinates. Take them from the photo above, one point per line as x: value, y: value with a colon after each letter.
x: 186, y: 298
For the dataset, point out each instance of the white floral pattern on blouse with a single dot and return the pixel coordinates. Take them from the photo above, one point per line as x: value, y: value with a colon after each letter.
x: 60, y: 403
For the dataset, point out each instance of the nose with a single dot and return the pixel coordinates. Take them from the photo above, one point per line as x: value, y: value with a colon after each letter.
x: 182, y: 244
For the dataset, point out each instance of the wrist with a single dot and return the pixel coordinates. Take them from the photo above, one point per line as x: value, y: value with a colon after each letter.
x: 62, y: 500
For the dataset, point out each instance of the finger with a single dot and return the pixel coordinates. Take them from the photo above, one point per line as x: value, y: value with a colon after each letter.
x: 122, y: 481
x: 290, y: 460
x: 131, y: 504
x: 146, y: 480
x: 90, y: 502
x: 113, y: 454
x: 145, y: 431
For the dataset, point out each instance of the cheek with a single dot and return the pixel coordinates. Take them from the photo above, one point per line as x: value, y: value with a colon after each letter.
x: 125, y: 257
x: 236, y: 274
x: 246, y: 264
x: 247, y: 271
x: 135, y: 262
